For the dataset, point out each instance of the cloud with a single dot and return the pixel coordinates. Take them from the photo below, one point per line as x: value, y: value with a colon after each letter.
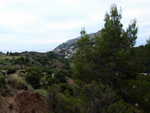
x: 135, y: 13
x: 97, y: 17
x: 66, y: 2
x: 139, y: 1
x: 15, y: 18
x: 65, y: 25
x: 29, y: 1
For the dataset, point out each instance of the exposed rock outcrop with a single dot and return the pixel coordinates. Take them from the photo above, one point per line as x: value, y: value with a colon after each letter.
x: 68, y: 48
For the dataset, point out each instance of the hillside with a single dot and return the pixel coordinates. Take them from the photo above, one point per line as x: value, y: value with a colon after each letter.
x: 22, y: 101
x: 107, y: 74
x: 68, y: 48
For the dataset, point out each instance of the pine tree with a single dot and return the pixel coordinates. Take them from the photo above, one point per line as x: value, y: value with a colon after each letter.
x: 111, y: 60
x: 82, y: 59
x: 147, y: 64
x: 112, y: 50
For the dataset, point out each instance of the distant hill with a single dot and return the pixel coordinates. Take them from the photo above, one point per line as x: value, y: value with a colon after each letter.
x: 2, y: 54
x: 67, y: 49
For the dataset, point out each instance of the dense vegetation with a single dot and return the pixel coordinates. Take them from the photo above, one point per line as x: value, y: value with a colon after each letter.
x: 115, y: 63
x: 111, y: 76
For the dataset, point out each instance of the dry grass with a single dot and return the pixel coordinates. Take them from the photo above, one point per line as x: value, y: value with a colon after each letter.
x: 9, y: 57
x: 17, y: 82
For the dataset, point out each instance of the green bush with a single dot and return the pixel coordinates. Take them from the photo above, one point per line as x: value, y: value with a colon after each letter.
x: 61, y: 103
x: 6, y: 59
x: 11, y: 71
x: 65, y: 88
x: 42, y: 92
x: 2, y: 82
x: 51, y: 80
x: 3, y: 89
x: 60, y: 76
x: 121, y: 107
x: 17, y: 82
x: 33, y: 78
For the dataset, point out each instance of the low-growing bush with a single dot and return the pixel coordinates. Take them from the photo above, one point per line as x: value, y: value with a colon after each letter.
x: 11, y: 71
x: 33, y: 78
x: 42, y: 92
x: 60, y: 76
x: 17, y: 82
x: 3, y: 89
x: 2, y: 82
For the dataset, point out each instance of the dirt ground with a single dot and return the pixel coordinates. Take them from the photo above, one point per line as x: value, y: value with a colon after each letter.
x: 23, y: 102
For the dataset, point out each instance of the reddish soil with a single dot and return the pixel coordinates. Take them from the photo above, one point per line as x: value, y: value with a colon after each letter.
x: 23, y: 102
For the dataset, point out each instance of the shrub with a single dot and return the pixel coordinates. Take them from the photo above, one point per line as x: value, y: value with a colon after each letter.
x: 17, y: 82
x: 11, y: 71
x: 3, y: 89
x: 42, y: 92
x: 65, y: 88
x: 60, y: 76
x: 63, y: 104
x: 6, y: 59
x: 51, y: 80
x: 2, y: 82
x: 33, y: 78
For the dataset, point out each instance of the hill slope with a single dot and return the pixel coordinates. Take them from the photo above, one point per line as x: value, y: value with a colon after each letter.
x: 67, y: 49
x: 23, y: 102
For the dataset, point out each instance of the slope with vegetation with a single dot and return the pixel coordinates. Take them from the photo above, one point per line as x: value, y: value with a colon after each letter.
x: 68, y: 48
x: 110, y: 77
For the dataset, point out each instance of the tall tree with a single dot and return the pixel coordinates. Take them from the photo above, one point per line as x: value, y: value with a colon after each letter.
x: 82, y: 58
x: 110, y: 61
x: 147, y: 65
x: 112, y: 49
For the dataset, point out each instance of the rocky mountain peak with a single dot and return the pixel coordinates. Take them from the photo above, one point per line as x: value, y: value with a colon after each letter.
x: 68, y: 48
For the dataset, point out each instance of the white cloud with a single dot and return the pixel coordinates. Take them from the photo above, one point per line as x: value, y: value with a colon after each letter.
x: 29, y: 1
x: 65, y: 25
x: 66, y: 2
x: 97, y: 17
x: 14, y: 39
x: 15, y: 18
x: 145, y: 23
x: 134, y: 13
x: 25, y: 0
x: 139, y: 1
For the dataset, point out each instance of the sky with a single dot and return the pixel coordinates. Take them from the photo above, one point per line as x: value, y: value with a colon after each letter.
x: 41, y: 25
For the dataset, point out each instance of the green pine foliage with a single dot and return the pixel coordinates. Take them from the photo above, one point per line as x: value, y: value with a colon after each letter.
x: 82, y: 59
x: 147, y: 63
x: 138, y: 92
x: 114, y: 64
x: 2, y: 82
x: 112, y: 50
x: 110, y: 60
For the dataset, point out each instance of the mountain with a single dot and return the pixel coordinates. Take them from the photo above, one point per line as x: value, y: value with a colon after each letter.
x: 68, y: 48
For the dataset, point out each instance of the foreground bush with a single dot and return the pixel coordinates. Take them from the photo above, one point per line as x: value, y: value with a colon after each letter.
x: 93, y: 98
x: 2, y: 85
x: 33, y: 78
x: 17, y: 82
x: 2, y: 82
x: 10, y: 71
x: 60, y: 103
